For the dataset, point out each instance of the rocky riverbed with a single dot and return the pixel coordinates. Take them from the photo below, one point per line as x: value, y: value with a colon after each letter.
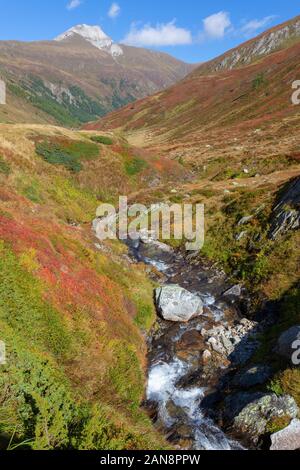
x: 203, y: 390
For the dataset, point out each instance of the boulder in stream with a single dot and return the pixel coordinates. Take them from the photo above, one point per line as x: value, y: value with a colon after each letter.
x: 177, y: 304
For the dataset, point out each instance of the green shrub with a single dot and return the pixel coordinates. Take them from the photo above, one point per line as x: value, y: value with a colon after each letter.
x: 145, y: 315
x: 22, y: 307
x: 73, y: 204
x: 32, y: 193
x: 125, y: 374
x: 104, y: 429
x: 135, y: 166
x: 101, y: 139
x: 259, y: 81
x: 68, y: 154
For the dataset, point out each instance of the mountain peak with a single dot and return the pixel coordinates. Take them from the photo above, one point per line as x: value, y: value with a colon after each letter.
x: 95, y: 36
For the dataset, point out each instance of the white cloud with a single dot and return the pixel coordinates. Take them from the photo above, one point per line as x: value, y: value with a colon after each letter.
x: 251, y: 27
x: 215, y: 26
x: 114, y: 10
x: 163, y: 34
x: 74, y: 4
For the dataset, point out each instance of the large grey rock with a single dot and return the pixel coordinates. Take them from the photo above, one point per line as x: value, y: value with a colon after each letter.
x: 288, y: 438
x: 252, y: 421
x: 286, y: 342
x: 177, y: 304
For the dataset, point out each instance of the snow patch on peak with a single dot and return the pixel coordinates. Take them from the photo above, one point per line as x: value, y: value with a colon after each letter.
x: 95, y: 36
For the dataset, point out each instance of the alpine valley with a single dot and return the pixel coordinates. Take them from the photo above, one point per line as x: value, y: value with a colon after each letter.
x: 113, y: 346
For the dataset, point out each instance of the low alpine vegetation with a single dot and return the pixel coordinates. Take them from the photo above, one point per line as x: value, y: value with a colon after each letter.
x: 67, y: 153
x: 101, y: 139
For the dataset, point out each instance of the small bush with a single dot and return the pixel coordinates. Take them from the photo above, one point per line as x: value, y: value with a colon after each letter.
x: 101, y: 139
x: 259, y: 81
x: 288, y: 382
x: 67, y: 153
x: 32, y: 193
x: 135, y: 166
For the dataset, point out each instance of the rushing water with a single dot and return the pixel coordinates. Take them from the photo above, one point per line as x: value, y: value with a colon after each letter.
x: 166, y: 369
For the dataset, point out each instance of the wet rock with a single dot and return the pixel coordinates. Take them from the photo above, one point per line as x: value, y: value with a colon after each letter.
x: 190, y: 346
x: 194, y: 378
x: 288, y: 438
x: 177, y: 304
x: 181, y: 435
x: 252, y: 421
x: 253, y: 376
x: 286, y: 342
x: 175, y: 412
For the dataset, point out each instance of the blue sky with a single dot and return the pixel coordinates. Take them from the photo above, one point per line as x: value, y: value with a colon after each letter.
x: 192, y: 30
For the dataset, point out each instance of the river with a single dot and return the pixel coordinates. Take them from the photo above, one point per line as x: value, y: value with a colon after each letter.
x: 178, y: 385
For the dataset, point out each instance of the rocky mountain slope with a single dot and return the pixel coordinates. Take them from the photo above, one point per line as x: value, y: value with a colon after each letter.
x: 253, y: 91
x: 275, y: 39
x: 79, y: 77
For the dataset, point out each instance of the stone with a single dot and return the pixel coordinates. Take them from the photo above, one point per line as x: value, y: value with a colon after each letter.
x: 235, y: 291
x: 206, y: 356
x: 286, y: 214
x: 241, y: 235
x: 245, y: 220
x: 252, y: 421
x: 287, y: 340
x: 253, y: 376
x: 288, y: 438
x: 190, y: 346
x: 216, y: 346
x: 176, y: 304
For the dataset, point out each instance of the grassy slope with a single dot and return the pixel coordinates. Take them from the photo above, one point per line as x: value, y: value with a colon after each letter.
x: 71, y: 316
